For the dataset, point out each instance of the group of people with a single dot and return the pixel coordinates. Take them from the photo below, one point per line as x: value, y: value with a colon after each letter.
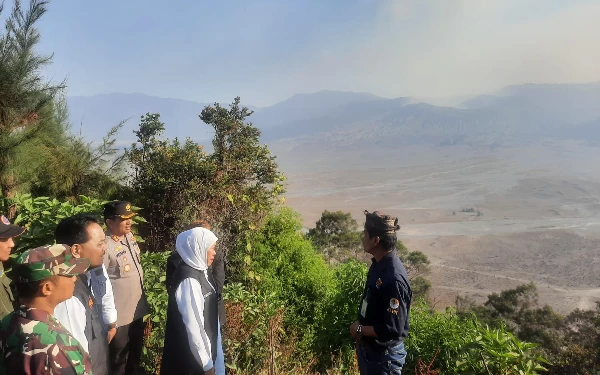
x: 78, y: 307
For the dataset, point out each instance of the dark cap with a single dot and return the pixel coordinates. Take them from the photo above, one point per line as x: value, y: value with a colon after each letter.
x: 47, y: 261
x: 380, y: 223
x: 121, y: 209
x: 8, y: 230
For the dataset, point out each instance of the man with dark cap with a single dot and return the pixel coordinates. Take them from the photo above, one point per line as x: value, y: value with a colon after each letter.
x: 32, y: 341
x: 382, y: 323
x: 124, y: 267
x: 7, y: 233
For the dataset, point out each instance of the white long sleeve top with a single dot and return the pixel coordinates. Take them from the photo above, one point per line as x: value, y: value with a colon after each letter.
x: 101, y: 286
x: 71, y: 313
x: 190, y: 303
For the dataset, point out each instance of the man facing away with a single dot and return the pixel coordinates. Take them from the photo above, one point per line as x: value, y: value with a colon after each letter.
x: 32, y: 341
x: 382, y: 323
x: 123, y: 264
x: 7, y: 233
x: 81, y: 314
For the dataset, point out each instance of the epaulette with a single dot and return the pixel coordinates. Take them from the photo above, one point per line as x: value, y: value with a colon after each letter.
x: 115, y: 238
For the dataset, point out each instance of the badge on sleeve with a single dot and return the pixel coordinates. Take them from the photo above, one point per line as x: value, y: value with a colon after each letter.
x: 394, y: 303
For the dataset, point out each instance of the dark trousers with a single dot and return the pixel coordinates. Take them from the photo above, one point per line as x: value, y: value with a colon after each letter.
x: 375, y: 362
x: 126, y: 348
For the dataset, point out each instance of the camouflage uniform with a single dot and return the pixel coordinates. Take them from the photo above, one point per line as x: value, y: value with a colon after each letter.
x: 35, y: 343
x: 32, y: 341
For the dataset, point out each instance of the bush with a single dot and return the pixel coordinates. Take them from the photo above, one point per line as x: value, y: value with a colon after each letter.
x: 336, y: 314
x: 278, y: 260
x: 41, y: 215
x: 497, y: 351
x: 155, y: 267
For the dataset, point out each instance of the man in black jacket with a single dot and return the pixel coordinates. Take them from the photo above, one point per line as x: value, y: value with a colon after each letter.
x: 382, y: 324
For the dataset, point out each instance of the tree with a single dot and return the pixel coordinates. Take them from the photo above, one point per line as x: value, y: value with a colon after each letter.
x: 26, y: 100
x: 417, y: 267
x: 233, y: 188
x: 335, y: 235
x: 170, y: 181
x: 247, y: 179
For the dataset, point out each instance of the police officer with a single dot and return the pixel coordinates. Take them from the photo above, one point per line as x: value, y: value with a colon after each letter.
x: 7, y: 232
x: 123, y: 264
x: 32, y: 341
x: 382, y: 323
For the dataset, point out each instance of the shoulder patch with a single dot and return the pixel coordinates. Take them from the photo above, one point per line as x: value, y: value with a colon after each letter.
x: 394, y: 303
x: 115, y: 238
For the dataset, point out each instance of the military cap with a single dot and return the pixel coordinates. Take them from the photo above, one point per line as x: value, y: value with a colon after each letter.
x: 46, y: 261
x: 380, y: 223
x: 121, y: 209
x: 8, y: 230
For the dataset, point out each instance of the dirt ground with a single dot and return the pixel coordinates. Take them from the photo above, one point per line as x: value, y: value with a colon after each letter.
x: 539, y: 212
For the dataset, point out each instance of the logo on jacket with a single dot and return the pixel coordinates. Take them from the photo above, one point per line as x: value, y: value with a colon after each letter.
x: 378, y: 283
x: 394, y: 303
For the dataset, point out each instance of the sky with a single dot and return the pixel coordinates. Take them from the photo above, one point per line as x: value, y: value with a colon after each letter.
x: 268, y: 50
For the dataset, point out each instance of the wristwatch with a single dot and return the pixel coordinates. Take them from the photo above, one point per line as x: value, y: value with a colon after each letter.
x: 112, y: 325
x: 359, y: 331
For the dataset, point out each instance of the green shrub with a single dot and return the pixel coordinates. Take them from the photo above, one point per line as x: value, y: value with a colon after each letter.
x: 277, y: 260
x: 497, y: 351
x: 337, y: 312
x: 41, y: 215
x: 154, y: 266
x: 433, y: 332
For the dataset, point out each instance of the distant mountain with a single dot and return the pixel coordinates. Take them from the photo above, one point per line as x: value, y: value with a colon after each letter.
x: 303, y: 107
x: 516, y: 114
x: 93, y: 116
x: 559, y: 104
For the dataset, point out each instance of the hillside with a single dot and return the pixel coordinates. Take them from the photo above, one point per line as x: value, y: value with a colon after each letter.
x: 514, y: 115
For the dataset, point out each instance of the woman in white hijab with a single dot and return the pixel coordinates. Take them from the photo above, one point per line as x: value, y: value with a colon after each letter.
x: 192, y: 313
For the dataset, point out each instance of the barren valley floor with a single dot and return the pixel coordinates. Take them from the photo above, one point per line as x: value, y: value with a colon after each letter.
x: 539, y: 212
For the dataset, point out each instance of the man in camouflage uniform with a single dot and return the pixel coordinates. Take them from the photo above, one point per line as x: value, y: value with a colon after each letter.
x: 32, y: 341
x: 7, y: 232
x: 124, y: 268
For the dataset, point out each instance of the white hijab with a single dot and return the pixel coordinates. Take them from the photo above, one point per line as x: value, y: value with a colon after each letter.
x: 193, y: 246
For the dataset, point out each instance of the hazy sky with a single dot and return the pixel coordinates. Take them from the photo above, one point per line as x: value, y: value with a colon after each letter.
x: 266, y: 51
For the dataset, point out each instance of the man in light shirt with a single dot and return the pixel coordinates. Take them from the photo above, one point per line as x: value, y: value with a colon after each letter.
x: 83, y: 315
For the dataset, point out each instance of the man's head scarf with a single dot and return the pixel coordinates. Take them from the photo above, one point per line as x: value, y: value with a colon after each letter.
x: 380, y: 224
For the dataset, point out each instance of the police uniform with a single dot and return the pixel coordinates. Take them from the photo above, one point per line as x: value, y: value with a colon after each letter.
x: 123, y: 265
x: 32, y: 341
x: 385, y: 305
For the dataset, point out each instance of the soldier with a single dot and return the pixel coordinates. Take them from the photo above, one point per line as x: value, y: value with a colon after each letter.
x: 382, y: 323
x: 7, y: 233
x: 32, y: 341
x: 81, y: 314
x: 123, y: 264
